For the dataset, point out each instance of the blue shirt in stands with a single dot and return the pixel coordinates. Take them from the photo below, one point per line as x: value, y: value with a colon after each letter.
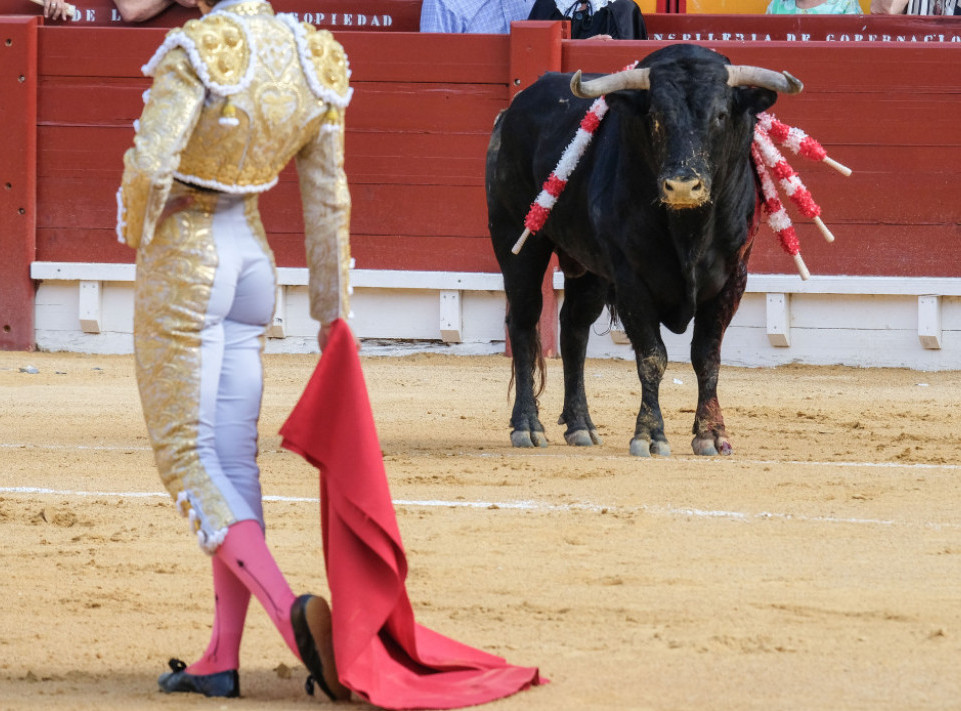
x: 482, y: 16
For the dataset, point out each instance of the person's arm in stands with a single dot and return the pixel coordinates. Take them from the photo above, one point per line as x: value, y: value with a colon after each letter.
x: 888, y: 7
x: 140, y: 10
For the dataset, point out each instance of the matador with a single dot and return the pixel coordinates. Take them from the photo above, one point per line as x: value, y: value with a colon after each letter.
x: 236, y: 95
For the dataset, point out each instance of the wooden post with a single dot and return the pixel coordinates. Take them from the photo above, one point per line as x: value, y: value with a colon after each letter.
x: 535, y: 49
x: 18, y: 179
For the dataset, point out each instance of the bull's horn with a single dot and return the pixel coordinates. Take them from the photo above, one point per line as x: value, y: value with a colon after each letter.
x: 628, y: 79
x: 738, y: 75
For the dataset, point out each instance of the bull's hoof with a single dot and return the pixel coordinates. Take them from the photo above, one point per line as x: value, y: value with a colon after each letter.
x: 640, y: 447
x: 709, y: 447
x: 528, y: 439
x: 582, y: 438
x: 645, y: 448
x: 660, y: 448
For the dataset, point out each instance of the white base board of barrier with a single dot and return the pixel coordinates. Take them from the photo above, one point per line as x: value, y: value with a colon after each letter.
x: 857, y: 321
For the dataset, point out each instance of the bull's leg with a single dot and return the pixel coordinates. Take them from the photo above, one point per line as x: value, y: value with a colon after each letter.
x: 583, y: 303
x: 651, y: 357
x: 523, y: 274
x: 710, y: 323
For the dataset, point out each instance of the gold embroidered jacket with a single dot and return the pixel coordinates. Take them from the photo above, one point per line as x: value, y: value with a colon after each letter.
x: 236, y: 94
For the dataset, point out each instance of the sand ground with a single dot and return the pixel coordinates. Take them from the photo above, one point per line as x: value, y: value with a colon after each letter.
x: 819, y: 567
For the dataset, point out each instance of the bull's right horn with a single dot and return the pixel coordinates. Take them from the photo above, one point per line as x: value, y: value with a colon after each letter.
x: 782, y: 82
x: 629, y: 79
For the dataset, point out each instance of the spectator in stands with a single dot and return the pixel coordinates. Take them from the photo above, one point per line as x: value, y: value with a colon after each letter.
x: 915, y: 7
x: 140, y: 10
x: 55, y: 10
x: 608, y: 19
x: 130, y: 10
x: 813, y: 7
x: 478, y: 16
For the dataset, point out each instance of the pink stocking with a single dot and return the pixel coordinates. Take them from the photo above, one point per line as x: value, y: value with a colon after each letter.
x: 230, y: 611
x: 244, y: 551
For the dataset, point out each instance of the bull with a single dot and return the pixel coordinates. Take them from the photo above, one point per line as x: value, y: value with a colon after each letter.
x: 656, y: 222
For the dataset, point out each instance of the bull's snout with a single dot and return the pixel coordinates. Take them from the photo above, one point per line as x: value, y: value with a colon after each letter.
x: 684, y: 191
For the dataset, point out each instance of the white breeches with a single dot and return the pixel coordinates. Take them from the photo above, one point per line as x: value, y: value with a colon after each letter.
x: 231, y: 373
x: 203, y: 299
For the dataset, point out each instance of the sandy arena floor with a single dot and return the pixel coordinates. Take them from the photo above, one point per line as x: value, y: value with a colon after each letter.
x: 817, y: 568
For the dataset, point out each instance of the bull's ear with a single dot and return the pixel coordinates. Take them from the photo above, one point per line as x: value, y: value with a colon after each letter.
x: 637, y: 102
x: 753, y: 99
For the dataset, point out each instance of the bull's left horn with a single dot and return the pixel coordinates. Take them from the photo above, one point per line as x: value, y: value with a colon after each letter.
x: 782, y: 82
x: 629, y: 79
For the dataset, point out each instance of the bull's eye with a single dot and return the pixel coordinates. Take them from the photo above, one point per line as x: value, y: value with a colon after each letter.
x: 720, y: 119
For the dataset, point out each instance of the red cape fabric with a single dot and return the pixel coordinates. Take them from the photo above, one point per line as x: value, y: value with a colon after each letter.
x: 382, y: 653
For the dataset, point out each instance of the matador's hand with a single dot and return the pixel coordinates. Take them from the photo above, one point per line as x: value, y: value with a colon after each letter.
x: 324, y: 334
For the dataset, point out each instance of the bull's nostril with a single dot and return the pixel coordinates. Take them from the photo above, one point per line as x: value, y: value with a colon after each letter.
x: 697, y: 187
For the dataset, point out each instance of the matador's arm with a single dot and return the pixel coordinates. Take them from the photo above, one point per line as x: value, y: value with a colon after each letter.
x: 169, y: 116
x: 326, y: 205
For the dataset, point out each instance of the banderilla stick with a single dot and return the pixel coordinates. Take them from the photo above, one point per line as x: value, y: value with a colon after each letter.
x: 71, y: 9
x: 520, y: 242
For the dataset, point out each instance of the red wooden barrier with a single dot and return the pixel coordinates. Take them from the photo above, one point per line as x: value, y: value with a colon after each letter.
x: 18, y: 188
x: 421, y: 117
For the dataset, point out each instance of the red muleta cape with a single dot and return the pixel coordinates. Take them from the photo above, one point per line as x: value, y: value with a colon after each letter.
x: 382, y: 654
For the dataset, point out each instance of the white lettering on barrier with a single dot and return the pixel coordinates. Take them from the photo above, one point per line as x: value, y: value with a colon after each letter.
x: 803, y: 37
x: 344, y: 19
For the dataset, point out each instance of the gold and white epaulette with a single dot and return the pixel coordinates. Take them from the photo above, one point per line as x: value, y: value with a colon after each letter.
x: 324, y: 61
x: 219, y: 48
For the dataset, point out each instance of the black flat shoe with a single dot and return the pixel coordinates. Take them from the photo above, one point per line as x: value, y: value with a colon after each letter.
x: 310, y: 618
x: 225, y: 683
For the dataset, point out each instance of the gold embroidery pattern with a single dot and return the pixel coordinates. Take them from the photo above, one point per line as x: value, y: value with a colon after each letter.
x: 175, y: 274
x: 272, y: 115
x: 222, y: 46
x: 326, y: 203
x: 252, y: 8
x: 328, y: 57
x: 175, y: 100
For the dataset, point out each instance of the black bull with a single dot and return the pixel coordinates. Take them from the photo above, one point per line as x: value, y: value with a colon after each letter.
x: 657, y: 222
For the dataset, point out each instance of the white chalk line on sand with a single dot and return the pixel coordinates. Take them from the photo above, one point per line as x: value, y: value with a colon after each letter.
x: 539, y: 453
x: 540, y: 506
x: 527, y: 505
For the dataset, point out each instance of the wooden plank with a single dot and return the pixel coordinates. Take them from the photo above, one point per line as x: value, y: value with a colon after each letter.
x: 535, y: 48
x: 121, y: 52
x: 427, y: 57
x: 748, y: 26
x: 401, y: 56
x: 425, y: 107
x: 335, y: 15
x: 878, y: 67
x: 18, y: 179
x: 78, y: 244
x: 863, y: 250
x: 91, y: 153
x: 457, y: 211
x: 415, y: 252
